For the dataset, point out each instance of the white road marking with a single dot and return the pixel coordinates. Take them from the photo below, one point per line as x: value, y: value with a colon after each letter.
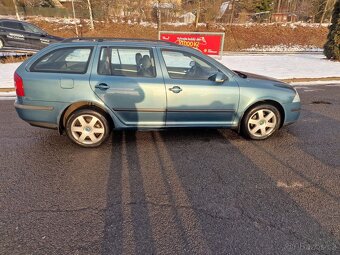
x: 301, y: 87
x: 281, y: 184
x: 310, y: 90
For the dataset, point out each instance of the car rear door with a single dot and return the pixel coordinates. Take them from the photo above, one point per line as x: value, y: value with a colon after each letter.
x: 192, y: 98
x: 130, y: 82
x: 16, y: 36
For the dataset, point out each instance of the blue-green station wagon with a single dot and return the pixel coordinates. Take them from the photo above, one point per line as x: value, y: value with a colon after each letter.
x: 88, y: 86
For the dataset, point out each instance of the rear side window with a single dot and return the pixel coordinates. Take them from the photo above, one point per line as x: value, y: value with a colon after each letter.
x: 130, y: 62
x: 65, y: 60
x: 12, y: 25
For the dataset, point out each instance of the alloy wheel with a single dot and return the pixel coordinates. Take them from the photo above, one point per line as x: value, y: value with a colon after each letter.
x: 262, y: 123
x: 87, y: 129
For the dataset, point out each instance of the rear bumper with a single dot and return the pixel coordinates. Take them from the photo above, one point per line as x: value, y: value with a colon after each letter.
x: 37, y: 115
x: 33, y: 107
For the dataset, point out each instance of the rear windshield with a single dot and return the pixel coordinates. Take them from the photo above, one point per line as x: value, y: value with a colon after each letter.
x: 65, y: 60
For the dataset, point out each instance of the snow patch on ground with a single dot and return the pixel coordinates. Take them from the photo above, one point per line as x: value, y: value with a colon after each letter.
x: 6, y: 74
x: 7, y: 95
x: 284, y: 66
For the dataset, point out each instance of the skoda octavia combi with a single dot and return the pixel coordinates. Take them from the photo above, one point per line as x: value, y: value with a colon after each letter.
x: 86, y: 87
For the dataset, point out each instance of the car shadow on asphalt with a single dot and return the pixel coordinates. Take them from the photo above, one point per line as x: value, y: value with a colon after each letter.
x: 202, y: 191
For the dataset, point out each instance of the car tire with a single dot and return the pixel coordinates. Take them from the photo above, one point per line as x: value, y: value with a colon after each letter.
x: 261, y: 122
x: 88, y: 127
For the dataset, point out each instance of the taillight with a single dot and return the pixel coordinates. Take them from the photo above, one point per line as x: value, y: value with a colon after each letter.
x: 19, y: 85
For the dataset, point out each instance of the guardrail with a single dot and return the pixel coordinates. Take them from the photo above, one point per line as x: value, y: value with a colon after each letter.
x: 16, y: 53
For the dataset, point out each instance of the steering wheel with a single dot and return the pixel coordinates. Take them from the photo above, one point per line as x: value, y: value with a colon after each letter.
x: 194, y: 69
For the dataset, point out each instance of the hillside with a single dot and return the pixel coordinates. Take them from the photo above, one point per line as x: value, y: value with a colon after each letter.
x: 237, y: 37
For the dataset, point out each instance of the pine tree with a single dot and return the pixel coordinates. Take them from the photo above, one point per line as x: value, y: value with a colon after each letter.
x: 332, y: 47
x: 263, y: 5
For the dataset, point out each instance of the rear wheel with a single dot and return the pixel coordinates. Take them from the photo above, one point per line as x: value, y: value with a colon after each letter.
x: 88, y: 128
x: 261, y: 122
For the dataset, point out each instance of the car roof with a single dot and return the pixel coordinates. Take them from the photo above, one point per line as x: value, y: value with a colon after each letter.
x: 119, y: 41
x: 15, y: 20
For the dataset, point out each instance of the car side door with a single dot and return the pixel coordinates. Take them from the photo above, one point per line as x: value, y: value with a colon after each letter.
x: 129, y: 81
x: 16, y: 36
x: 36, y: 36
x: 198, y: 92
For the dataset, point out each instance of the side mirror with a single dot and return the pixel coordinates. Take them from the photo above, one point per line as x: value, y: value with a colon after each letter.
x: 218, y: 77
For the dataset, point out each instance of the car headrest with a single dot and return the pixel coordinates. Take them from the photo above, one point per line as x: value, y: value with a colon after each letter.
x: 138, y: 58
x: 146, y: 62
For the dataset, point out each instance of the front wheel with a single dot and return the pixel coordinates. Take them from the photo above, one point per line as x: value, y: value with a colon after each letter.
x: 87, y: 128
x: 261, y: 122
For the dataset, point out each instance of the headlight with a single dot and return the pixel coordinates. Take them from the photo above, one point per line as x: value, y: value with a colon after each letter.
x: 296, y: 98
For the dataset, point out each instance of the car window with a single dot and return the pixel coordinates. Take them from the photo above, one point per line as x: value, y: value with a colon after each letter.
x: 32, y: 29
x: 65, y: 60
x: 183, y: 65
x: 131, y: 62
x: 12, y: 25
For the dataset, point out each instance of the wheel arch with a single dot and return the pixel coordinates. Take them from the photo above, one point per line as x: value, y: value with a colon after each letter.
x: 82, y: 105
x: 265, y: 101
x: 3, y: 41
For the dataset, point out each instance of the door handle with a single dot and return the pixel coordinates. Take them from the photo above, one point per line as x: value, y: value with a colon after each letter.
x: 102, y: 86
x: 176, y: 89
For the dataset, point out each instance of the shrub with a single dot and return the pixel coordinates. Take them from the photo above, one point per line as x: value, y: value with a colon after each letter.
x: 332, y: 46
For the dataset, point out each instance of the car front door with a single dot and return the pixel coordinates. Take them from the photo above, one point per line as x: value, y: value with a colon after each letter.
x: 130, y: 82
x: 198, y: 92
x: 35, y: 36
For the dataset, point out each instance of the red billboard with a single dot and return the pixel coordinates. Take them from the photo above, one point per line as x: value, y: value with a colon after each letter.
x: 207, y: 43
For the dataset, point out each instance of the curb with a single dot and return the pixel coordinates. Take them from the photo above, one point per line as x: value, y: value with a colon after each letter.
x: 314, y: 80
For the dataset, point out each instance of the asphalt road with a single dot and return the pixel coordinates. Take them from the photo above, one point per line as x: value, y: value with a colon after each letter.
x: 174, y: 192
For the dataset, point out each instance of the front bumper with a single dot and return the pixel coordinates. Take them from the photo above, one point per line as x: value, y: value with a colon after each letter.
x: 292, y: 112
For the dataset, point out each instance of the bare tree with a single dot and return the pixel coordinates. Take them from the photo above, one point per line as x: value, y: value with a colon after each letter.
x: 159, y: 16
x: 74, y: 18
x: 231, y: 21
x: 91, y: 16
x: 279, y: 6
x: 328, y: 8
x: 198, y: 13
x: 16, y: 9
x: 56, y: 3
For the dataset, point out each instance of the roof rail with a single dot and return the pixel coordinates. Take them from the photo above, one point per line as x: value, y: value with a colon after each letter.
x: 102, y: 39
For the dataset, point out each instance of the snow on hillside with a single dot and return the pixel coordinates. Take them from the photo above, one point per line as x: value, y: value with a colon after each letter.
x: 284, y: 48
